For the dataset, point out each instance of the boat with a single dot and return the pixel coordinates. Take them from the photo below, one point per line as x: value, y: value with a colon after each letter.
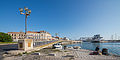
x: 97, y: 39
x: 69, y: 47
x: 76, y: 47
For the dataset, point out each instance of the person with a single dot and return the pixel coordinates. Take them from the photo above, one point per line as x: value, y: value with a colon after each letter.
x: 65, y: 47
x: 96, y: 52
x: 97, y: 48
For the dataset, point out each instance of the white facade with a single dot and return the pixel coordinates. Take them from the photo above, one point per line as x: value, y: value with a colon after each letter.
x: 39, y: 36
x: 16, y: 35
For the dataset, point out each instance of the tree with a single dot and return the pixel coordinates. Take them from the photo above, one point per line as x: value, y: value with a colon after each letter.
x: 4, y: 37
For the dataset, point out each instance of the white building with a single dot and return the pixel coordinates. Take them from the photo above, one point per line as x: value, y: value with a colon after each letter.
x: 16, y: 35
x: 39, y: 36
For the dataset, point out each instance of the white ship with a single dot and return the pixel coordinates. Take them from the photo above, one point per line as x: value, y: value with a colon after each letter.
x: 97, y: 39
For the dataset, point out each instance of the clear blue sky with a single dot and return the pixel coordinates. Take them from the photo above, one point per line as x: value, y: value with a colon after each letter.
x: 70, y: 18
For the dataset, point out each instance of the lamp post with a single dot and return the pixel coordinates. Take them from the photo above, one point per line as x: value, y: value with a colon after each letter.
x: 27, y: 13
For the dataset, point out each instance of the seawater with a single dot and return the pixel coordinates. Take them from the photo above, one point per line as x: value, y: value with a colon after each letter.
x: 113, y: 48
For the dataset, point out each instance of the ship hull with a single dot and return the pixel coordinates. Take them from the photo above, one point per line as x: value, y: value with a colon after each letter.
x: 95, y: 41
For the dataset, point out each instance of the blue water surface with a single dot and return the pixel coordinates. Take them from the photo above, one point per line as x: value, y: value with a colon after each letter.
x: 113, y: 48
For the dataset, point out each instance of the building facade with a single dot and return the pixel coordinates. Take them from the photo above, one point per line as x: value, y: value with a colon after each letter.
x: 16, y: 35
x: 39, y: 36
x: 36, y: 36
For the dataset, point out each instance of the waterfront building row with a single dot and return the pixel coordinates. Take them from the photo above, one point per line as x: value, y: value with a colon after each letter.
x: 39, y: 36
x: 16, y: 35
x: 36, y: 36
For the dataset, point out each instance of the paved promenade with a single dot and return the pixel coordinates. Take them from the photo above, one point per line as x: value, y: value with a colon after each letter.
x: 7, y: 47
x: 80, y: 54
x: 13, y: 48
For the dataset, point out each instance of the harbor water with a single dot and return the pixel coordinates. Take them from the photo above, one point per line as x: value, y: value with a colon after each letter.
x: 113, y: 48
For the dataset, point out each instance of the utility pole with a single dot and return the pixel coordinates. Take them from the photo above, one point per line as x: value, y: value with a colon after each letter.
x: 111, y: 37
x: 115, y: 36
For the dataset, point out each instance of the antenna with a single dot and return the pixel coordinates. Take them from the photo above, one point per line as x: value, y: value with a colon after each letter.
x: 111, y: 37
x: 115, y: 36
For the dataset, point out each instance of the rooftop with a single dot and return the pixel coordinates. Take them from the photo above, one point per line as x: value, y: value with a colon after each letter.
x: 16, y: 32
x: 37, y: 32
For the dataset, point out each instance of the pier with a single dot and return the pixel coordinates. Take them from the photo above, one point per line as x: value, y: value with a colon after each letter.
x: 76, y: 41
x: 106, y: 41
x: 111, y: 41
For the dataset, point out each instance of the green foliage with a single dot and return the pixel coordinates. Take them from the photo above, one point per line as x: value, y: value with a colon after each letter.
x: 4, y: 37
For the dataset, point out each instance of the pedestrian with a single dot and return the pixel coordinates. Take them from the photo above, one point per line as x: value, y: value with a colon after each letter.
x: 65, y: 47
x: 97, y: 48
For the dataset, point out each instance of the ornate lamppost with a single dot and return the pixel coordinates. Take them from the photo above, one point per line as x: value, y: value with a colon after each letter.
x: 27, y: 13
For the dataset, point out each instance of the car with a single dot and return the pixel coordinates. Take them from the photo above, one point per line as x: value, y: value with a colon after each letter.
x: 57, y: 46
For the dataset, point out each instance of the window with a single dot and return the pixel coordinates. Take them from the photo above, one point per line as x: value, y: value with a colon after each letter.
x: 21, y: 45
x: 41, y: 34
x: 14, y: 37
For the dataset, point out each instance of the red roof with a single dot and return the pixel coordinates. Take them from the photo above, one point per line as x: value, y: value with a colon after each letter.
x: 56, y: 37
x: 37, y: 32
x: 31, y: 32
x: 15, y: 32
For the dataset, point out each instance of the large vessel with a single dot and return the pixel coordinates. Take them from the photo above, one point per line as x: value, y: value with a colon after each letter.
x: 97, y: 38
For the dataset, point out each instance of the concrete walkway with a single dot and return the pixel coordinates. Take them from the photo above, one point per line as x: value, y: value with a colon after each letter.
x: 65, y: 55
x: 15, y: 52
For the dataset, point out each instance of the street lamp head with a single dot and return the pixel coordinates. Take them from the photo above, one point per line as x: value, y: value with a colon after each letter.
x: 25, y: 12
x: 21, y: 9
x: 29, y: 11
x: 26, y: 9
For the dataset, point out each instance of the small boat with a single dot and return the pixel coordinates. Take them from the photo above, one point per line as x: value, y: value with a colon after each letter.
x: 76, y: 47
x: 57, y: 46
x: 70, y: 47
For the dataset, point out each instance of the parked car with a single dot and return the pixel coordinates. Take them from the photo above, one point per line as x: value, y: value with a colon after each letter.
x: 57, y: 46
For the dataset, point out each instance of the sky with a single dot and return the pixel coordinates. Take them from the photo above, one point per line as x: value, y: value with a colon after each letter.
x: 68, y: 18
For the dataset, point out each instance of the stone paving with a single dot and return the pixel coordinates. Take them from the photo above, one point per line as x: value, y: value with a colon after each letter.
x: 68, y: 55
x: 7, y: 47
